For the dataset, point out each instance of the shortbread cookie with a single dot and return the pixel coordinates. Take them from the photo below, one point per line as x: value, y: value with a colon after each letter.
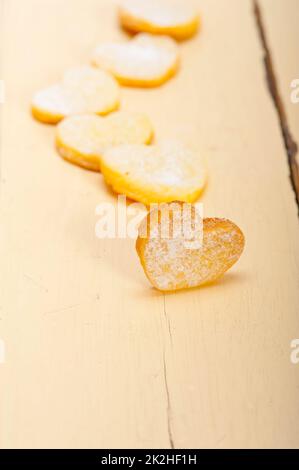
x: 173, y: 263
x: 144, y: 61
x: 176, y: 18
x: 83, y: 90
x: 166, y: 172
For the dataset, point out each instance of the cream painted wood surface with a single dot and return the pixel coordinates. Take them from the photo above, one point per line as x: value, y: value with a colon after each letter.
x: 94, y: 356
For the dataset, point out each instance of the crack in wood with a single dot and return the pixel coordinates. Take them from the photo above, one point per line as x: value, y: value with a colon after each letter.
x: 170, y: 436
x: 289, y: 143
x: 167, y: 319
x: 171, y: 442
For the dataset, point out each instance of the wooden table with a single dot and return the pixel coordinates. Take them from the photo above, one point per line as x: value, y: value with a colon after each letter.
x: 93, y: 356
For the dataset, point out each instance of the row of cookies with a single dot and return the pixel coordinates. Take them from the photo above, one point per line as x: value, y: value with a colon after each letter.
x: 92, y: 133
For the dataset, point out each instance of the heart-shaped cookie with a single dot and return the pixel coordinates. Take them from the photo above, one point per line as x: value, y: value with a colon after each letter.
x: 176, y: 18
x: 165, y: 172
x: 83, y: 139
x: 171, y: 262
x: 83, y: 90
x: 144, y: 61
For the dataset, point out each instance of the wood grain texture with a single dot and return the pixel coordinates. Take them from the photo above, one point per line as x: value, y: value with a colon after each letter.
x: 94, y: 356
